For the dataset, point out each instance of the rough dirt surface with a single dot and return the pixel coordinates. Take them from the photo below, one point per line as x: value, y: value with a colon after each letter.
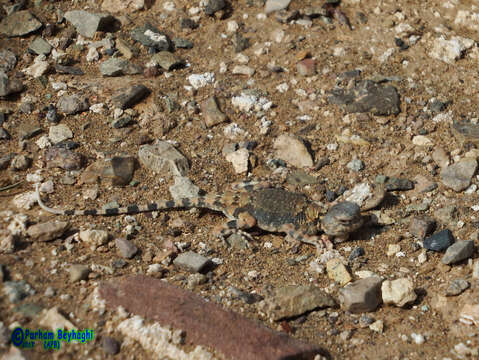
x: 414, y: 144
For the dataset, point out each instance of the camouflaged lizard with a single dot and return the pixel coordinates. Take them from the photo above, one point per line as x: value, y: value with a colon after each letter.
x: 255, y: 205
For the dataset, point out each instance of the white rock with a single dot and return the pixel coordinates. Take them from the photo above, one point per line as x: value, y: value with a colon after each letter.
x: 398, y: 292
x: 275, y: 5
x: 282, y: 88
x: 421, y: 140
x: 278, y: 35
x: 59, y: 133
x: 201, y: 80
x: 95, y: 238
x: 43, y: 142
x: 450, y: 50
x: 233, y: 131
x: 25, y: 200
x: 239, y: 159
x: 232, y: 26
x: 242, y: 58
x: 92, y: 55
x: 359, y: 193
x: 418, y: 338
x: 467, y: 19
x: 243, y: 70
x: 97, y: 108
x: 59, y: 85
x: 54, y: 320
x: 37, y: 69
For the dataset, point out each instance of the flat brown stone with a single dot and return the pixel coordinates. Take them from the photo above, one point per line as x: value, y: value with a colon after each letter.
x: 205, y: 323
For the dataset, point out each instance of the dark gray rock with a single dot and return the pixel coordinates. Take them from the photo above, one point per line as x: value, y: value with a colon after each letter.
x: 150, y: 36
x: 458, y: 176
x: 399, y: 184
x: 9, y: 86
x: 439, y: 241
x: 110, y: 345
x: 457, y: 287
x: 129, y: 97
x: 459, y: 251
x: 8, y: 60
x: 40, y: 46
x: 71, y: 70
x: 19, y: 23
x: 191, y: 261
x: 362, y: 295
x: 367, y: 96
x: 213, y: 6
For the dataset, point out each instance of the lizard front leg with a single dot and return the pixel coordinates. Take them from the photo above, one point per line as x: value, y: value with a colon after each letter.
x: 243, y: 222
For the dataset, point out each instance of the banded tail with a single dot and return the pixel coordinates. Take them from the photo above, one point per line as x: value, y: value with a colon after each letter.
x: 212, y: 202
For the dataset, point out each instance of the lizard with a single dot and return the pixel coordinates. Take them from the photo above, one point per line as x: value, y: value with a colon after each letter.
x: 254, y: 204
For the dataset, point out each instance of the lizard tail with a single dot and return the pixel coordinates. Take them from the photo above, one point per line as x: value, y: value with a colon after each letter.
x: 43, y: 206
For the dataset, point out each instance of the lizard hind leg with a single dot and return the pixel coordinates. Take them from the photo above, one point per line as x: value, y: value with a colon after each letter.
x: 297, y: 235
x: 243, y: 222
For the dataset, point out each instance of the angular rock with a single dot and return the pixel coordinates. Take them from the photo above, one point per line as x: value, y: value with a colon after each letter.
x: 38, y: 68
x: 183, y: 188
x: 167, y: 60
x: 48, y: 231
x: 294, y: 300
x: 399, y: 184
x: 398, y: 292
x: 72, y: 104
x: 110, y: 346
x: 63, y: 158
x: 78, y: 272
x: 191, y: 261
x: 71, y: 70
x: 9, y: 86
x: 367, y: 96
x: 457, y: 287
x: 213, y: 6
x: 86, y: 23
x: 422, y: 226
x: 59, y: 133
x: 178, y: 309
x: 338, y: 272
x: 162, y: 158
x: 8, y: 60
x: 291, y: 149
x: 239, y: 159
x: 306, y: 67
x: 40, y: 46
x: 150, y: 36
x: 439, y: 241
x: 117, y: 171
x: 362, y: 295
x: 19, y: 23
x: 53, y: 319
x: 458, y: 176
x: 127, y: 98
x: 16, y: 291
x: 122, y: 6
x: 95, y: 238
x: 113, y: 67
x: 458, y: 251
x: 275, y: 5
x: 450, y: 50
x: 211, y: 113
x: 126, y: 248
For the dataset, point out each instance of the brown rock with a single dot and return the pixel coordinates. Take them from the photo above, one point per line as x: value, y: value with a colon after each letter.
x: 211, y: 112
x: 205, y: 323
x: 48, y: 231
x: 421, y: 226
x: 117, y: 171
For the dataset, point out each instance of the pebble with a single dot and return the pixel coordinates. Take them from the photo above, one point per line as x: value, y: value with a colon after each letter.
x: 16, y: 291
x: 398, y: 292
x: 72, y: 104
x: 128, y: 97
x: 457, y: 287
x: 377, y: 326
x: 20, y: 162
x: 125, y: 248
x: 19, y: 23
x: 450, y: 50
x: 338, y: 272
x: 355, y: 165
x: 94, y: 238
x: 239, y: 159
x: 167, y: 60
x: 59, y: 133
x: 114, y: 67
x: 9, y: 86
x: 418, y: 338
x: 439, y: 241
x: 78, y: 272
x: 211, y: 112
x: 8, y: 60
x: 201, y: 80
x: 191, y: 261
x: 243, y: 70
x: 291, y: 149
x: 306, y: 67
x: 53, y: 319
x: 275, y: 5
x: 110, y: 345
x: 40, y: 46
x: 162, y: 158
x: 183, y: 188
x: 458, y: 251
x: 48, y: 231
x: 399, y: 184
x: 63, y: 158
x: 421, y: 226
x: 362, y: 295
x: 458, y: 176
x: 213, y: 6
x: 294, y: 300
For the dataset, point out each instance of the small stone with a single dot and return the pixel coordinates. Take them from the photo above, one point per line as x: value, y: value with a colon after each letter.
x: 418, y: 338
x: 191, y: 261
x: 48, y: 231
x: 450, y: 50
x: 275, y: 5
x: 125, y: 248
x: 8, y: 60
x: 162, y: 158
x: 237, y: 241
x: 211, y: 113
x: 78, y: 272
x: 457, y: 287
x: 59, y: 133
x: 294, y: 300
x: 338, y: 272
x: 362, y: 295
x: 38, y: 68
x: 40, y: 46
x: 239, y: 159
x: 95, y: 238
x: 377, y: 326
x: 458, y: 251
x: 213, y: 6
x: 201, y: 80
x: 16, y: 291
x: 458, y: 176
x: 183, y: 188
x: 20, y: 162
x: 127, y: 98
x: 167, y: 60
x: 399, y: 184
x: 440, y: 157
x: 355, y: 165
x: 306, y: 67
x: 421, y: 226
x: 151, y: 37
x: 72, y: 104
x: 92, y: 55
x: 243, y: 70
x: 398, y: 292
x: 110, y: 345
x: 19, y: 23
x: 469, y: 314
x: 63, y: 158
x: 25, y: 200
x: 393, y: 249
x: 125, y: 6
x: 86, y: 23
x: 114, y: 67
x: 71, y: 70
x: 291, y: 149
x: 241, y: 43
x: 421, y: 140
x: 439, y: 241
x: 9, y: 86
x: 53, y: 319
x: 355, y: 253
